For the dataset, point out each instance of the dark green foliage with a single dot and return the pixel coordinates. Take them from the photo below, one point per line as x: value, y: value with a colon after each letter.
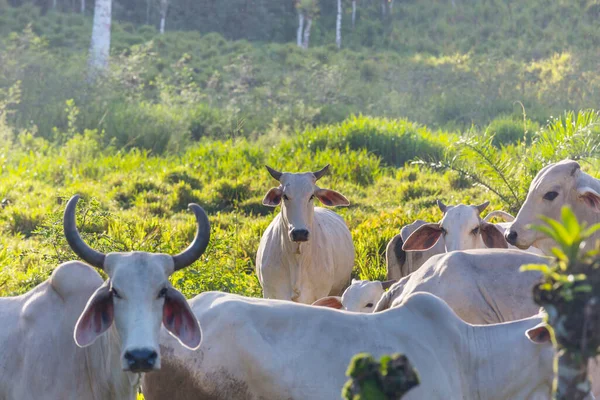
x: 569, y: 294
x: 388, y: 379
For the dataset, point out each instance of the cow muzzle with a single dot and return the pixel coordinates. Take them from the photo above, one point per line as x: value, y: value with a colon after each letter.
x: 141, y: 360
x: 299, y: 235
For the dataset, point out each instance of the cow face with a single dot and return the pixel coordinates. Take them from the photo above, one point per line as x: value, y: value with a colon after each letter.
x: 462, y: 228
x: 137, y: 297
x: 360, y: 296
x: 553, y: 187
x: 296, y: 194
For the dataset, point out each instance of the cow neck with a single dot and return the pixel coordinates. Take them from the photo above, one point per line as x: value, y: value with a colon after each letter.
x: 104, y: 371
x: 491, y: 370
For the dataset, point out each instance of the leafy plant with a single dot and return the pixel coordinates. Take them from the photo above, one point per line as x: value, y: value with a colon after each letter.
x: 388, y: 379
x: 569, y: 294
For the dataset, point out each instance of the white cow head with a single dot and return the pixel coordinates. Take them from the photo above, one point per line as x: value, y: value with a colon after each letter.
x: 137, y: 296
x: 556, y: 185
x: 360, y: 296
x: 462, y: 228
x: 298, y: 192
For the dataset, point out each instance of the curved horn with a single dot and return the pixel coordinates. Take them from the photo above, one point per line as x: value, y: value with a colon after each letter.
x: 387, y: 284
x: 198, y: 245
x: 441, y: 206
x: 322, y: 172
x: 274, y: 173
x: 85, y: 252
x: 481, y: 207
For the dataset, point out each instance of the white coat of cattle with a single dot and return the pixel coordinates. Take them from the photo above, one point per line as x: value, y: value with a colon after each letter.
x: 59, y: 341
x: 461, y: 228
x: 360, y: 296
x: 556, y: 185
x: 481, y: 286
x: 257, y: 349
x: 306, y: 253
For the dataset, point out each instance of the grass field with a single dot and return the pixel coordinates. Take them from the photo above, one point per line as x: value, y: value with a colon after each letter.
x: 135, y: 200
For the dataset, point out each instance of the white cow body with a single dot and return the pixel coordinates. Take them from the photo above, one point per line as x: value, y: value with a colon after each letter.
x: 306, y: 252
x: 257, y: 349
x: 481, y: 286
x: 40, y: 359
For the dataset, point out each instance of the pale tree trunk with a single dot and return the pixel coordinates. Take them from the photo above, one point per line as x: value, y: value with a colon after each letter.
x: 100, y: 46
x: 338, y: 25
x: 54, y: 4
x: 148, y: 12
x: 391, y: 5
x: 83, y: 6
x: 307, y: 31
x: 353, y: 13
x: 164, y: 4
x: 300, y: 28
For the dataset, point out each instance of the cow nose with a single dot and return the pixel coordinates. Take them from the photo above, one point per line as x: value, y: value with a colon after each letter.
x: 300, y: 235
x: 141, y: 360
x: 511, y: 237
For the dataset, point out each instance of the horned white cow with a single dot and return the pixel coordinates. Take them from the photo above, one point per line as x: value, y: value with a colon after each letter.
x: 556, y: 185
x: 306, y: 252
x: 59, y: 341
x: 461, y: 228
x: 360, y: 296
x: 482, y: 286
x: 256, y: 349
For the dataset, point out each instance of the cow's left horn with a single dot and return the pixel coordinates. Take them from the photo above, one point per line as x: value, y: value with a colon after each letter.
x: 482, y: 206
x: 198, y: 245
x: 274, y: 173
x: 322, y: 172
x: 77, y: 244
x: 387, y: 284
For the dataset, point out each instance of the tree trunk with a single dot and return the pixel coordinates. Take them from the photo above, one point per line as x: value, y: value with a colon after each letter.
x: 148, y: 12
x: 83, y: 6
x: 338, y: 25
x: 383, y: 8
x: 353, y: 13
x: 100, y: 45
x: 54, y: 4
x: 391, y: 3
x: 164, y: 4
x: 307, y: 31
x: 300, y: 28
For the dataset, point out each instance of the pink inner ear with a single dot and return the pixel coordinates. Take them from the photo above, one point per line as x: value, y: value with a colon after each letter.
x: 592, y: 200
x: 95, y: 319
x: 273, y: 197
x: 539, y: 334
x: 331, y: 198
x: 179, y: 319
x: 424, y: 238
x: 330, y: 301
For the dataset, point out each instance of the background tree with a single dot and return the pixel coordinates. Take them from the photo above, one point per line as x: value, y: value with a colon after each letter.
x: 353, y: 13
x: 164, y: 4
x: 338, y: 25
x: 100, y: 44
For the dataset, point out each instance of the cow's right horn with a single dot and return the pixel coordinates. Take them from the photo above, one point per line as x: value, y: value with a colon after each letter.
x: 77, y: 244
x: 441, y: 205
x: 322, y: 172
x: 198, y: 245
x: 274, y: 173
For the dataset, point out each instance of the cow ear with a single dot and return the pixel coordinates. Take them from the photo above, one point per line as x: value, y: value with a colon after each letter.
x: 423, y: 238
x: 590, y: 197
x: 96, y: 318
x: 273, y: 197
x: 329, y: 301
x: 492, y: 237
x: 539, y: 334
x: 331, y: 198
x: 180, y: 321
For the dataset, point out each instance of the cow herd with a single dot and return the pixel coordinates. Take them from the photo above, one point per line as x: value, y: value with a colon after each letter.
x: 455, y: 304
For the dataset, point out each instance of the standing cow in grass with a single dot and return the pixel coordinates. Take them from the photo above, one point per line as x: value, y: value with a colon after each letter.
x: 306, y: 252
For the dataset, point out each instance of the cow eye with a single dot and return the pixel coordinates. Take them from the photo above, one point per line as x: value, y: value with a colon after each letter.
x: 115, y: 293
x: 550, y: 196
x: 285, y: 197
x: 443, y: 231
x: 369, y: 305
x: 312, y: 197
x: 163, y: 292
x: 475, y: 231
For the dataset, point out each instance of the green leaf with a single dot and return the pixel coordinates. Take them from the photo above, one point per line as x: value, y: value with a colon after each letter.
x: 569, y: 220
x: 535, y: 267
x: 558, y: 253
x: 590, y: 231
